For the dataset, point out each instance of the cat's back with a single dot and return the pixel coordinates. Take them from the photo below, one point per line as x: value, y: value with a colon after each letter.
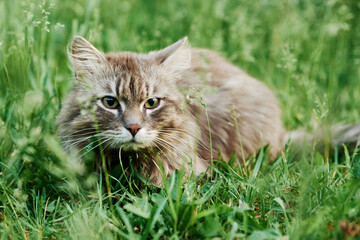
x: 208, y: 61
x: 236, y: 92
x: 210, y: 68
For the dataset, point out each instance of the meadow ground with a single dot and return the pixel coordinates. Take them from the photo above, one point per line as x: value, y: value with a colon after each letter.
x: 307, y: 52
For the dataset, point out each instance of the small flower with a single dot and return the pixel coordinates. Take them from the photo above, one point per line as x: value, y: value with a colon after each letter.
x: 59, y: 25
x: 36, y: 23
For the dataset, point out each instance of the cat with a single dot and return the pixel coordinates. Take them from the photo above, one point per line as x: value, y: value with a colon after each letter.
x: 175, y: 108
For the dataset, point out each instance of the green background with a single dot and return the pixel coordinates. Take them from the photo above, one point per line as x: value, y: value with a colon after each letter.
x: 307, y: 52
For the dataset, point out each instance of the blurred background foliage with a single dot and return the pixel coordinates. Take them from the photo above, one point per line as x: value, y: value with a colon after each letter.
x: 302, y: 49
x: 306, y: 51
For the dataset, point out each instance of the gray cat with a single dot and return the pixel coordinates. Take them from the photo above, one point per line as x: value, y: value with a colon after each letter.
x: 147, y: 106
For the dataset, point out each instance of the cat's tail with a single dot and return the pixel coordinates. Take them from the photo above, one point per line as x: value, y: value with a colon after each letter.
x: 323, y: 139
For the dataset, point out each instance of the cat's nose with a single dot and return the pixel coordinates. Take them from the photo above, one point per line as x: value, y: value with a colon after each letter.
x: 133, y: 128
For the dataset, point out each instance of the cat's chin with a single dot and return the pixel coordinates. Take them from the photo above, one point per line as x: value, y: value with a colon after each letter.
x: 133, y: 146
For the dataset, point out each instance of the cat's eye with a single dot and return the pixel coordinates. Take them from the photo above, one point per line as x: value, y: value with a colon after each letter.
x: 152, y: 103
x: 110, y: 102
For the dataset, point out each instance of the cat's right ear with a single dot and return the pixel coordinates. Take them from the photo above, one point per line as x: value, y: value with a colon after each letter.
x: 175, y: 58
x: 86, y: 59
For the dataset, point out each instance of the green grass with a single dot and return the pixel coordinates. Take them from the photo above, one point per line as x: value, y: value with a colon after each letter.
x: 307, y: 52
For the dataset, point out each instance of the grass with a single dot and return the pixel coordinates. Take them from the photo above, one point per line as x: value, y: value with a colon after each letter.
x: 307, y: 51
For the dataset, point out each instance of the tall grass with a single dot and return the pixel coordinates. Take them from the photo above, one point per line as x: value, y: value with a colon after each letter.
x: 307, y: 51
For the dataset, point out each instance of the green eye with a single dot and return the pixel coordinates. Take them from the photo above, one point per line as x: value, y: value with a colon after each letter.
x: 152, y: 103
x: 110, y: 102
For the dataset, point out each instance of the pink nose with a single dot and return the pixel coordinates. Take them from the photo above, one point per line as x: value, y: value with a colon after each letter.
x: 133, y: 128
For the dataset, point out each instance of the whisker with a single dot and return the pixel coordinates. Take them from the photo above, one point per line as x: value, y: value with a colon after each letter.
x: 76, y: 139
x: 182, y: 153
x: 162, y: 145
x: 108, y: 143
x: 97, y: 145
x: 184, y: 132
x: 75, y: 142
x: 112, y: 131
x: 79, y: 131
x: 162, y: 152
x: 180, y: 130
x: 175, y: 137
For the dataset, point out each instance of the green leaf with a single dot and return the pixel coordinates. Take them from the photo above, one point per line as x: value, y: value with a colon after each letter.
x: 208, y: 193
x: 210, y: 227
x: 137, y: 211
x: 271, y: 233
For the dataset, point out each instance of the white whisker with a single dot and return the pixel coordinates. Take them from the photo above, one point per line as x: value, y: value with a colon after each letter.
x: 97, y: 145
x: 79, y: 131
x: 181, y: 131
x: 182, y: 153
x: 162, y: 152
x: 76, y: 142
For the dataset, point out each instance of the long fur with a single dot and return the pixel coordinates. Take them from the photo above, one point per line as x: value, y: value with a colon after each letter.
x: 197, y: 87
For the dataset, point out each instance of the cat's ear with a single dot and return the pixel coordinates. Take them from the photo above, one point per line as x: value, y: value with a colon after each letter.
x: 176, y: 57
x: 86, y: 59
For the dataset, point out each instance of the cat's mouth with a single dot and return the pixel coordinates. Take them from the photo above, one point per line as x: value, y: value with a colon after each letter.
x: 142, y: 140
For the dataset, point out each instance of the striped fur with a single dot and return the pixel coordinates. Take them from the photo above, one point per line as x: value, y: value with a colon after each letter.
x: 242, y: 112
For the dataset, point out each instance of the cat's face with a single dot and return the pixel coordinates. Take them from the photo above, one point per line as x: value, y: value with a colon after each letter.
x: 125, y: 99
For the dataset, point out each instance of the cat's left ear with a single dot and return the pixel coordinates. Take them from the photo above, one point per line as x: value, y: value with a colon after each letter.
x: 176, y: 57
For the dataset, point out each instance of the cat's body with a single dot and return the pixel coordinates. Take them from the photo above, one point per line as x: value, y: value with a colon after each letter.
x: 148, y: 105
x: 235, y: 95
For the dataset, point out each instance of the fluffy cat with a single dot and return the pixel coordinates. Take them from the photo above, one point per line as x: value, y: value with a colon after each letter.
x: 157, y: 107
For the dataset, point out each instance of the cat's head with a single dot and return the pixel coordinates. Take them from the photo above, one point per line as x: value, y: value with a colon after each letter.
x: 124, y: 99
